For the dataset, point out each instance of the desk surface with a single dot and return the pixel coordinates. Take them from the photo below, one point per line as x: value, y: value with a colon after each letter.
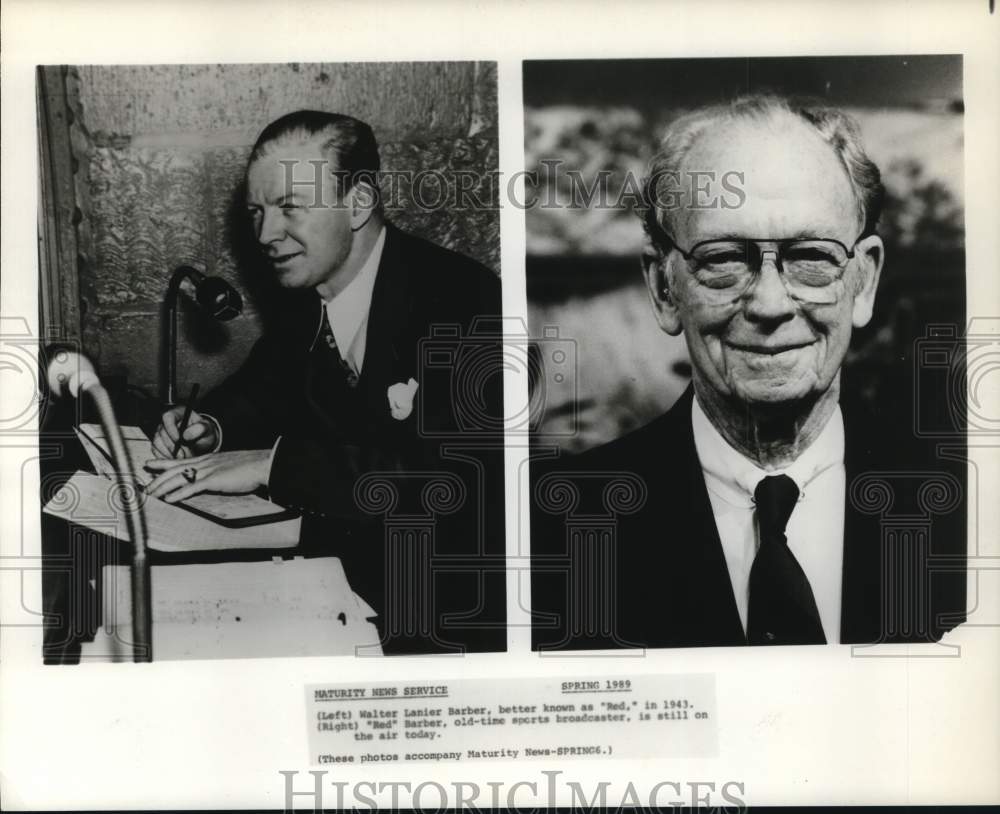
x: 279, y: 608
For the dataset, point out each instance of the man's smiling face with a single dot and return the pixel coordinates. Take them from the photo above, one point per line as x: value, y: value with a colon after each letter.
x: 302, y: 227
x: 768, y: 346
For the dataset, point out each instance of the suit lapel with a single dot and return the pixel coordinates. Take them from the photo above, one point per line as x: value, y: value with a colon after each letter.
x: 388, y: 320
x: 326, y: 392
x: 698, y: 605
x: 861, y: 613
x: 303, y: 318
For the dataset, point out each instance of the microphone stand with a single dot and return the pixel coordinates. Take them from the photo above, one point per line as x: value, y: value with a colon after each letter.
x: 213, y: 295
x: 142, y: 618
x: 173, y: 289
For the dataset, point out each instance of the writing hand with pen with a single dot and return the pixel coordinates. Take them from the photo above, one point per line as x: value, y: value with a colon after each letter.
x: 187, y: 462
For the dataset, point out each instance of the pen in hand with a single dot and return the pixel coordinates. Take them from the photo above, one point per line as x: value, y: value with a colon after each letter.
x: 185, y: 419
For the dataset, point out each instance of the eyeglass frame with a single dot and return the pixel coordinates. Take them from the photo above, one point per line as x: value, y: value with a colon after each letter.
x: 689, y: 255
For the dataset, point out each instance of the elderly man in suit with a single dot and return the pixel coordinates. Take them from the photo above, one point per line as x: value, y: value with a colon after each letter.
x: 743, y: 526
x: 338, y: 392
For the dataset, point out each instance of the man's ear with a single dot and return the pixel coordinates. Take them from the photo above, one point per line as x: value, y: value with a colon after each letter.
x: 869, y: 256
x: 656, y: 270
x: 363, y: 200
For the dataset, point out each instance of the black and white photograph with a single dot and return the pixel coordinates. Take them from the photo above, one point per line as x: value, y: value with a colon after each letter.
x: 274, y: 404
x: 758, y: 268
x: 499, y: 405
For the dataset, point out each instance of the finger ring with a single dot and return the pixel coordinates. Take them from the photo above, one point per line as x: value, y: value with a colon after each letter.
x: 190, y: 474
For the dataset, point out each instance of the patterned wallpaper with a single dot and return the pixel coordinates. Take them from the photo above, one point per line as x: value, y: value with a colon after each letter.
x: 163, y: 150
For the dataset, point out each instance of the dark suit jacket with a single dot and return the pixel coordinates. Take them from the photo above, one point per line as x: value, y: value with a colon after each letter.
x: 626, y: 553
x: 363, y: 479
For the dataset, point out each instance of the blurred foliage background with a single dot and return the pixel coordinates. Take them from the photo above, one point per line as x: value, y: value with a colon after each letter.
x: 602, y: 120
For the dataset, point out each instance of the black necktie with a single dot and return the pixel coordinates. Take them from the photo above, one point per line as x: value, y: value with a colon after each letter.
x: 331, y: 343
x: 782, y: 606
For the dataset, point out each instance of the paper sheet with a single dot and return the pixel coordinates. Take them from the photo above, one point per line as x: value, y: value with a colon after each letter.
x: 140, y: 449
x: 298, y: 607
x: 93, y: 501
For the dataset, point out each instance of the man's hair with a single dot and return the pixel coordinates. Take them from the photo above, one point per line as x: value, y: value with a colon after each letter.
x: 834, y: 126
x: 349, y: 143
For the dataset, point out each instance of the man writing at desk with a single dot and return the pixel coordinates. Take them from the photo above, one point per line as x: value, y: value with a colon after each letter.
x: 333, y: 393
x: 749, y: 532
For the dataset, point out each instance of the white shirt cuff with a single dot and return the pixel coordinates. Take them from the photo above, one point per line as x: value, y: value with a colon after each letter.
x: 270, y: 462
x: 218, y: 430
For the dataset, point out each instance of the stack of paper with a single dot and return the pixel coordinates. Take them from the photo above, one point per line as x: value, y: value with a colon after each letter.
x: 295, y: 607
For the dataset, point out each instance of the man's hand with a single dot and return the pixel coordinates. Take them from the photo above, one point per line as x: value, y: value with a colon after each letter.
x: 200, y: 437
x: 228, y: 472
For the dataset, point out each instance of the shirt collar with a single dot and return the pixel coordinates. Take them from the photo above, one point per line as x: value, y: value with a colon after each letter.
x: 734, y: 477
x: 349, y: 309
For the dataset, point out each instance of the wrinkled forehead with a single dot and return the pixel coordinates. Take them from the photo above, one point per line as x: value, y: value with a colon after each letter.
x: 774, y: 177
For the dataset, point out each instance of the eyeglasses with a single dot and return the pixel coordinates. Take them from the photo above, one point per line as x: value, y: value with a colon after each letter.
x: 809, y: 266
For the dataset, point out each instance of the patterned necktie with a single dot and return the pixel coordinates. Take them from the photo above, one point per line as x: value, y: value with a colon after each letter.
x: 782, y: 606
x: 328, y: 339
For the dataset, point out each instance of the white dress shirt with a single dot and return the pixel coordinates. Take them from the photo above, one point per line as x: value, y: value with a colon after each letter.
x: 348, y: 311
x: 348, y: 314
x: 815, y: 529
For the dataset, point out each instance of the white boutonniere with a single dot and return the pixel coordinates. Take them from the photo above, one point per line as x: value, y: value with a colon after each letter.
x: 401, y: 399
